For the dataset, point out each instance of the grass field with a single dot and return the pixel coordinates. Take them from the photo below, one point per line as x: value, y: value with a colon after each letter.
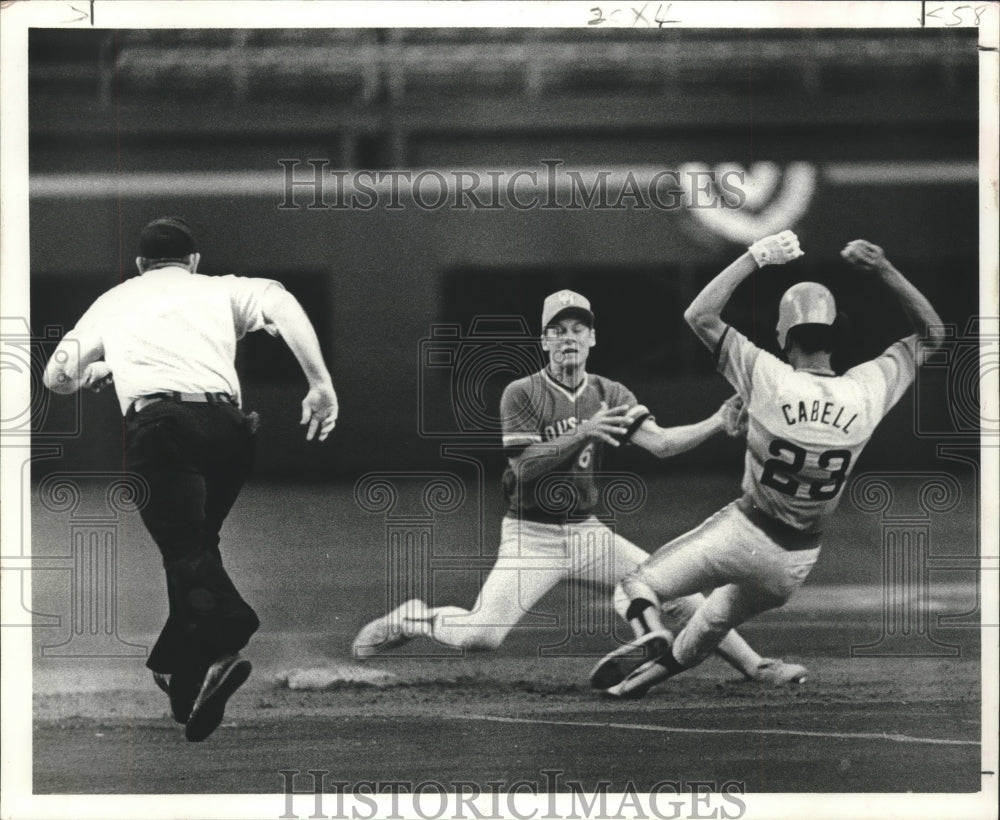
x: 313, y: 564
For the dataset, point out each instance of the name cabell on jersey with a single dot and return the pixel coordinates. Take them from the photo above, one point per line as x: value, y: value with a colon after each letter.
x: 818, y: 411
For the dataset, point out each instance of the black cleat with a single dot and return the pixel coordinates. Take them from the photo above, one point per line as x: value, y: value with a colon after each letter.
x: 222, y: 680
x: 614, y: 667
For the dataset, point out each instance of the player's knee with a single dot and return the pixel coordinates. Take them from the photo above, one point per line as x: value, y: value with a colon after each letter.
x: 472, y: 637
x: 714, y: 624
x: 621, y: 601
x: 681, y: 610
x: 483, y: 640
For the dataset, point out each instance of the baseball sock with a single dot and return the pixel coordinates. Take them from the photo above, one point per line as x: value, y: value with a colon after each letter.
x: 738, y: 653
x: 670, y: 663
x: 644, y: 617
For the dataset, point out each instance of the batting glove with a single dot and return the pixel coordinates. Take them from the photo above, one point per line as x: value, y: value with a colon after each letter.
x: 776, y: 249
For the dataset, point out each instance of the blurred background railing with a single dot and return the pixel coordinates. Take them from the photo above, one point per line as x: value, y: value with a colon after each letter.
x: 879, y: 128
x: 377, y: 96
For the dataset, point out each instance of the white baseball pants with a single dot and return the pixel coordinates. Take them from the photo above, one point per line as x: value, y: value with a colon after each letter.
x: 748, y: 572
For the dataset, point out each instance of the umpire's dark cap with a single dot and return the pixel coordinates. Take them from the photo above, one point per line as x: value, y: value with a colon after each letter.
x: 168, y: 237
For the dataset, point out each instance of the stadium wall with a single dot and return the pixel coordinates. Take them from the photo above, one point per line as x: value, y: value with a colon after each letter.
x: 377, y: 283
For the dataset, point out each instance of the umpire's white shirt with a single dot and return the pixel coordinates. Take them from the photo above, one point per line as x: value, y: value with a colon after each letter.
x: 172, y: 330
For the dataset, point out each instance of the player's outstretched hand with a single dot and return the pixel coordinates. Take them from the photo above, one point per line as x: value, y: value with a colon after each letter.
x: 319, y: 411
x: 864, y: 255
x: 607, y: 424
x: 776, y: 249
x: 97, y: 376
x: 734, y: 416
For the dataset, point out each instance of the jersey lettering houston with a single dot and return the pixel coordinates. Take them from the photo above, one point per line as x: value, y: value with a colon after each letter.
x: 538, y: 408
x: 807, y: 429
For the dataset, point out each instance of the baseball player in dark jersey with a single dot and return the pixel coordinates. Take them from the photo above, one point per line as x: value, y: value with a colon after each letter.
x: 556, y: 426
x: 167, y: 340
x: 807, y: 427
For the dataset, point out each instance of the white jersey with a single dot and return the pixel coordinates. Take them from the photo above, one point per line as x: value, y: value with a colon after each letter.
x: 808, y: 428
x: 172, y: 330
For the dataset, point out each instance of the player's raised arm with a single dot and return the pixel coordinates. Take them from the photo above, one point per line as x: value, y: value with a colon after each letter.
x: 704, y: 313
x: 319, y: 407
x: 921, y: 314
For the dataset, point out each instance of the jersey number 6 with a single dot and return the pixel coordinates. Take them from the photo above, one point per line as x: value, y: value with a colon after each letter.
x: 781, y: 475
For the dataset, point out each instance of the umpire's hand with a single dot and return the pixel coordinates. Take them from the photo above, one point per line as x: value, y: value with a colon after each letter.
x: 97, y: 376
x: 319, y: 411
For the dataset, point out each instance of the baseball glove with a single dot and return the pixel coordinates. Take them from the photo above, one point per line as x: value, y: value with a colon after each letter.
x: 734, y: 416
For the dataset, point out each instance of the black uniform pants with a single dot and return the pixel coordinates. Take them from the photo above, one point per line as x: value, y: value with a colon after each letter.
x: 195, y: 458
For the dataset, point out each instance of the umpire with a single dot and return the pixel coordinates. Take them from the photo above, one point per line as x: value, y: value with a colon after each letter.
x: 167, y: 341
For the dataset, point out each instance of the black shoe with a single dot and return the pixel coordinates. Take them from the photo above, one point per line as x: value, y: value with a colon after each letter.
x: 639, y: 682
x: 614, y: 667
x: 223, y: 678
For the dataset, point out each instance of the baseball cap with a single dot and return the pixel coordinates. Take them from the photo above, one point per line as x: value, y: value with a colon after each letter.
x: 168, y: 237
x: 566, y: 302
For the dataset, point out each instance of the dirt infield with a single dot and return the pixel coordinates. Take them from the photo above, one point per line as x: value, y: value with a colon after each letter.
x: 856, y: 725
x: 523, y: 714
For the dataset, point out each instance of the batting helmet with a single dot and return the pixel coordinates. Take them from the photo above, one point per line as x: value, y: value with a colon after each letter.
x: 807, y: 303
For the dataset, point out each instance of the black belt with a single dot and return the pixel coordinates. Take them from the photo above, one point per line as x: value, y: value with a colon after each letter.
x: 784, y: 535
x: 174, y: 395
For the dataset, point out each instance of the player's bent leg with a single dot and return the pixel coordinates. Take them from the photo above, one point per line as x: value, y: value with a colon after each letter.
x: 642, y: 605
x: 638, y: 604
x: 510, y: 590
x: 733, y: 649
x: 638, y: 682
x: 684, y: 566
x: 675, y: 568
x: 531, y: 560
x: 727, y: 607
x: 462, y: 629
x: 703, y: 558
